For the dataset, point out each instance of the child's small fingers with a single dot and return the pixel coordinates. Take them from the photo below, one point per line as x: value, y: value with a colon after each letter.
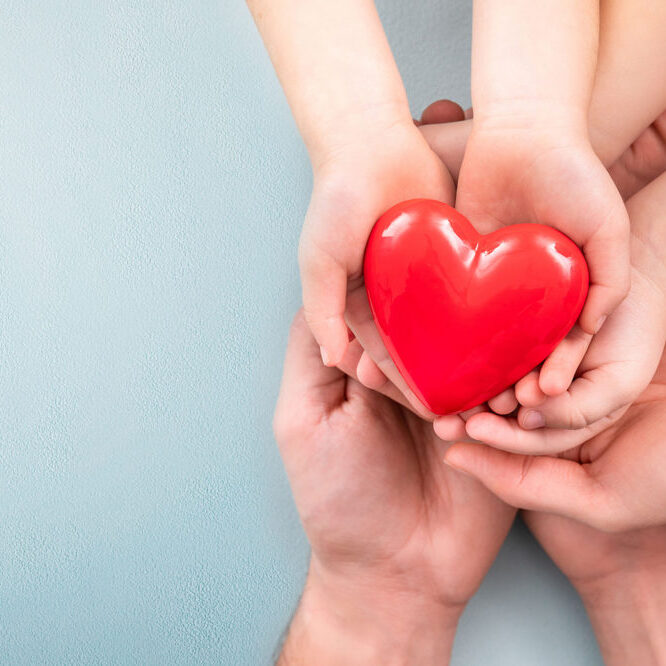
x: 506, y: 434
x: 467, y: 414
x: 369, y: 374
x: 504, y: 403
x: 360, y: 320
x: 607, y: 254
x: 527, y: 390
x: 450, y: 428
x: 593, y: 397
x: 559, y: 369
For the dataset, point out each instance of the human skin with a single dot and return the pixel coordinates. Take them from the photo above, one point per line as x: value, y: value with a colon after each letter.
x: 350, y: 105
x: 366, y: 155
x: 399, y: 540
x: 615, y: 480
x: 629, y: 138
x: 621, y: 579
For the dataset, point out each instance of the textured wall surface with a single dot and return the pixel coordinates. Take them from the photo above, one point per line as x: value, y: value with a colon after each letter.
x: 152, y: 186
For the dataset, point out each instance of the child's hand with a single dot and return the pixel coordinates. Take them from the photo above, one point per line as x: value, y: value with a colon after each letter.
x: 521, y: 169
x: 354, y: 183
x: 616, y: 368
x: 615, y: 480
x: 642, y: 162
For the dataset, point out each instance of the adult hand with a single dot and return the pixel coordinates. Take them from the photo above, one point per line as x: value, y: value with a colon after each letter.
x: 400, y: 541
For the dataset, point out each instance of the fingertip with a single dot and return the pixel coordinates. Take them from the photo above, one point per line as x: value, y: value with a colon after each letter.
x: 504, y: 403
x: 460, y: 456
x: 552, y: 383
x: 332, y: 335
x: 528, y: 392
x: 480, y: 426
x: 449, y: 428
x: 531, y: 419
x: 369, y: 374
x: 442, y: 111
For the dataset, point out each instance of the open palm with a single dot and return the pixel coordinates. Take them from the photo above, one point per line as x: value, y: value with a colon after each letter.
x: 375, y: 498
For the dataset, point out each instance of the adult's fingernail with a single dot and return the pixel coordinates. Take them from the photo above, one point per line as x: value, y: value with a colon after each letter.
x: 324, y: 355
x: 533, y: 420
x: 600, y: 323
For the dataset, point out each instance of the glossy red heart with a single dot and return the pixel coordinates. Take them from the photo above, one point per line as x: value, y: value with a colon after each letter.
x: 464, y: 316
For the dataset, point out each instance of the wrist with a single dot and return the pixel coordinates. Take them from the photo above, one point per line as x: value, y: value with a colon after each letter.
x: 354, y: 128
x: 532, y: 115
x: 352, y: 620
x: 628, y: 613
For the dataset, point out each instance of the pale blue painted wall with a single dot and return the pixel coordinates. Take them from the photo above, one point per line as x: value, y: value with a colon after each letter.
x: 152, y: 186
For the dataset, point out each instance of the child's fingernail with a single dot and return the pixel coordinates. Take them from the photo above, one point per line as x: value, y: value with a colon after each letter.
x: 324, y: 355
x: 533, y: 420
x: 600, y: 323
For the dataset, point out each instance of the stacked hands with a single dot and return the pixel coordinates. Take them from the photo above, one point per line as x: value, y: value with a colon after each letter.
x: 405, y: 511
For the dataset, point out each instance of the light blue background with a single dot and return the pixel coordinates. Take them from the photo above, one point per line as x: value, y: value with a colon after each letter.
x: 152, y: 187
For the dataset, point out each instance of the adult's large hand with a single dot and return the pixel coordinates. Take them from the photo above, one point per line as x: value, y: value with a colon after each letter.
x: 400, y: 541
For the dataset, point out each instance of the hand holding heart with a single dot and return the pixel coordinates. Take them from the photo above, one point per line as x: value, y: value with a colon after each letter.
x: 616, y: 369
x: 464, y: 316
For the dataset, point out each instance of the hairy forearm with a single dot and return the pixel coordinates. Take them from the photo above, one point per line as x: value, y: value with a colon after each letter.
x: 340, y: 622
x: 628, y: 613
x: 533, y: 59
x: 335, y: 65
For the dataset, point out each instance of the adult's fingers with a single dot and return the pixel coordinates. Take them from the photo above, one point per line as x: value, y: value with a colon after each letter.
x: 448, y: 141
x: 309, y: 389
x: 554, y: 485
x: 442, y: 111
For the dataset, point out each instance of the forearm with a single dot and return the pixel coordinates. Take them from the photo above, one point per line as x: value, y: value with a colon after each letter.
x: 347, y: 623
x: 628, y: 614
x: 533, y: 59
x: 629, y: 91
x: 335, y: 65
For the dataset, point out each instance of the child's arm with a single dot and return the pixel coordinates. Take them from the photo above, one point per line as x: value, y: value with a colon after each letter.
x: 529, y: 157
x: 350, y: 105
x: 629, y: 87
x: 534, y: 62
x: 334, y: 64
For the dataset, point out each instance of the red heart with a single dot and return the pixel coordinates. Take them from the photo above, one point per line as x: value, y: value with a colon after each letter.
x: 464, y: 316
